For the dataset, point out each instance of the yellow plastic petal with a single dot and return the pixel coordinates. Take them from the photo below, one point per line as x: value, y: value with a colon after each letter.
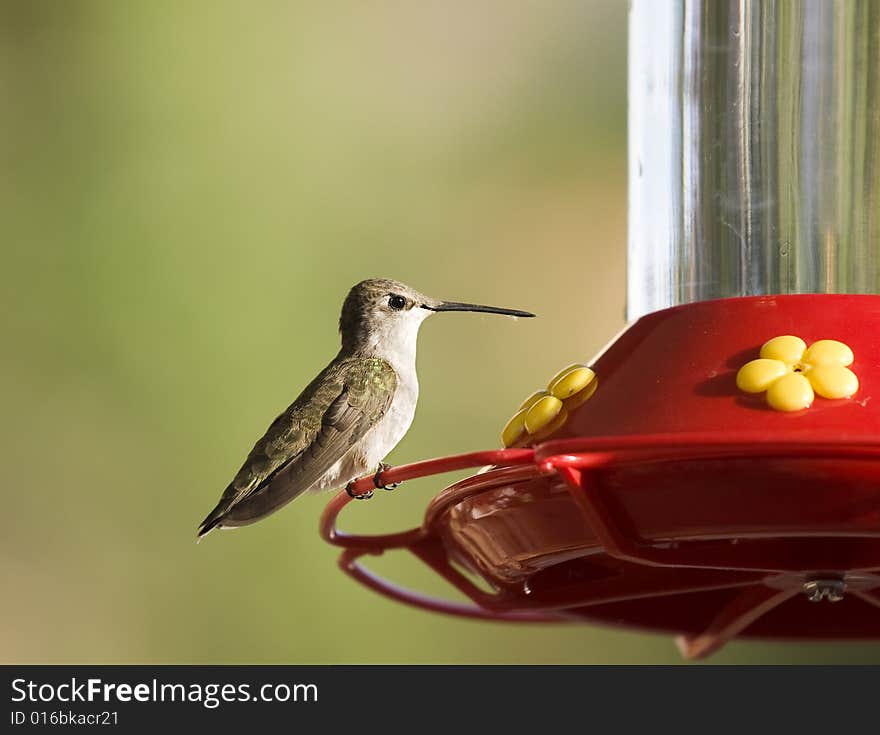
x: 574, y: 381
x: 791, y: 392
x: 828, y: 352
x: 542, y: 413
x: 550, y: 428
x: 833, y: 381
x: 757, y: 376
x: 532, y: 399
x: 515, y: 430
x: 582, y: 396
x: 787, y: 348
x: 565, y: 371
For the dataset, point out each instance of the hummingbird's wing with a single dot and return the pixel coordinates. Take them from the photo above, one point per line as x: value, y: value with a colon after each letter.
x: 331, y: 415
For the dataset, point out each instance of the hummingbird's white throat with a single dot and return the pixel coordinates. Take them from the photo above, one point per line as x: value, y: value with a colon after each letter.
x: 394, y: 337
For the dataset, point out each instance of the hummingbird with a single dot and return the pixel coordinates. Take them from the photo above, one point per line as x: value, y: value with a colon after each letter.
x: 350, y: 416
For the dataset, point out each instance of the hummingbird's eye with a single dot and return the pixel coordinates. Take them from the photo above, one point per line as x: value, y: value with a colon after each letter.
x: 396, y: 302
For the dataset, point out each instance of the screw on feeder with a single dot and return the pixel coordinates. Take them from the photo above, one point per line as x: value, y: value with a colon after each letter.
x: 832, y: 590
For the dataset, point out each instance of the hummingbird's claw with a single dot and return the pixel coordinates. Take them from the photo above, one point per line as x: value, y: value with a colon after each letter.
x: 352, y: 494
x: 378, y: 483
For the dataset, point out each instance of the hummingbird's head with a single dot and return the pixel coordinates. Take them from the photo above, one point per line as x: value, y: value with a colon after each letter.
x: 384, y: 313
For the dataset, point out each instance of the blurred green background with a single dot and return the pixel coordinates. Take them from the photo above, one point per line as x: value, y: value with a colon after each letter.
x: 187, y: 191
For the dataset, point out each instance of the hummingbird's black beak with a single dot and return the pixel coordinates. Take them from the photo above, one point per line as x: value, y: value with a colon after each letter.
x: 457, y: 306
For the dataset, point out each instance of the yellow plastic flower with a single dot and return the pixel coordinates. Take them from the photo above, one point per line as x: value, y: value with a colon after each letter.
x: 792, y: 373
x: 543, y: 412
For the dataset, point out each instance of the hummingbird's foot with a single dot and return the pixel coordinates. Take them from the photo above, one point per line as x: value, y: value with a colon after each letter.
x: 378, y: 483
x: 352, y: 494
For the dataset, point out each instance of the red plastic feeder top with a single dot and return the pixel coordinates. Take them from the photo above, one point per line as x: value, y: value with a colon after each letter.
x: 714, y: 474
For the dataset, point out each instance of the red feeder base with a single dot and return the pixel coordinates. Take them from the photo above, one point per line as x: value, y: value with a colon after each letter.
x: 670, y: 500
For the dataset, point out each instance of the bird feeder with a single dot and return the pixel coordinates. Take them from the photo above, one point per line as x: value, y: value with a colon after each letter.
x: 715, y: 472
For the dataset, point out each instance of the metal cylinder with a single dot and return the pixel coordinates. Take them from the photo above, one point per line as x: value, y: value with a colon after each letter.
x: 754, y: 149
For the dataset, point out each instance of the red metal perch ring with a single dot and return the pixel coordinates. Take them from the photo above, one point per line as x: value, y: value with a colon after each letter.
x: 416, y: 539
x: 766, y: 579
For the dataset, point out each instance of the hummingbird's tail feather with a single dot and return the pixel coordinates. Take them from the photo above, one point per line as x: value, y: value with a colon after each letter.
x: 209, y: 524
x: 241, y: 509
x: 216, y: 516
